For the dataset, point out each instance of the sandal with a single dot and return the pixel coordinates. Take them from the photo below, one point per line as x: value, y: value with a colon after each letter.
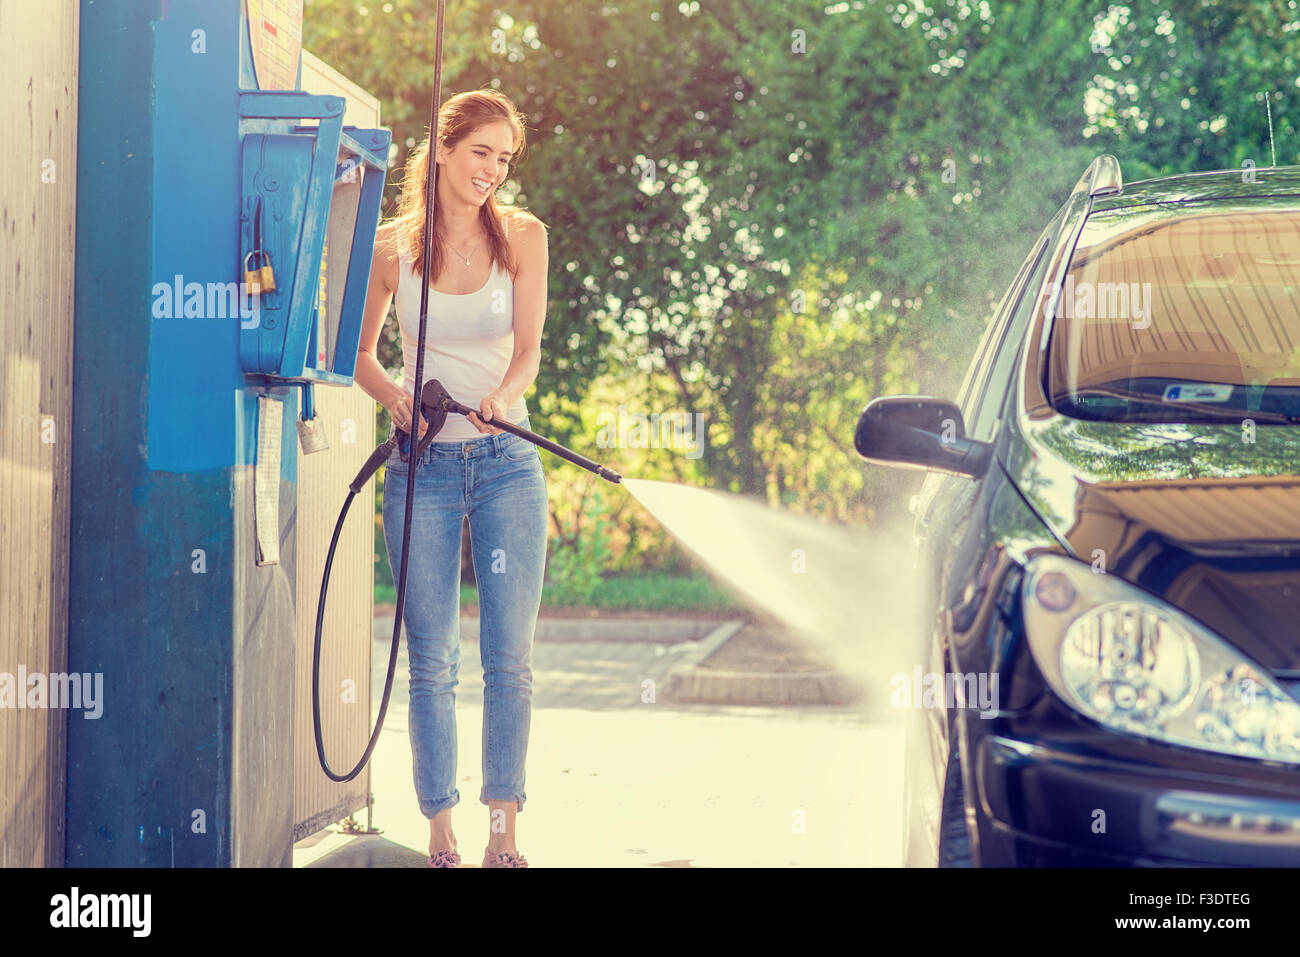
x: 444, y: 858
x: 504, y: 859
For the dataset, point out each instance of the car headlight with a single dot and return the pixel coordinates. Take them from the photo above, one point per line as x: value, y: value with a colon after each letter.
x: 1134, y: 663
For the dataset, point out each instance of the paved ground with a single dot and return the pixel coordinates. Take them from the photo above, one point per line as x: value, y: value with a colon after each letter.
x: 615, y: 782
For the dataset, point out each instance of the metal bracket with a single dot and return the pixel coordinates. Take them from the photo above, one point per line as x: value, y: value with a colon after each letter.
x: 350, y: 825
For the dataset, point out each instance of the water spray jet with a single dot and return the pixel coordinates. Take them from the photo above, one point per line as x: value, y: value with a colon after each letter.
x: 851, y: 592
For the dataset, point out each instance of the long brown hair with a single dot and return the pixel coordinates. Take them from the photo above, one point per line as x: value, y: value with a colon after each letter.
x: 459, y: 116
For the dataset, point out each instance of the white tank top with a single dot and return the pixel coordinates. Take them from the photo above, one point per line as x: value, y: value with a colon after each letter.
x: 468, y: 343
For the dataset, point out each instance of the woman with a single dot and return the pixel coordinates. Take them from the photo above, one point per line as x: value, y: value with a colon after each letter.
x: 487, y: 303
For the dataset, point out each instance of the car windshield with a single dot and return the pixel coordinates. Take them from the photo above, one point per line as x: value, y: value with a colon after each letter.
x: 1182, y: 313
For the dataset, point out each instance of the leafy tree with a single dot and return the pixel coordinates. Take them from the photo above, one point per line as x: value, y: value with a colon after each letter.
x: 769, y: 213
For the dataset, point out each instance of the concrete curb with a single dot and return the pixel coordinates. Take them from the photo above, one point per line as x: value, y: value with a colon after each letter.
x: 659, y: 631
x: 708, y: 686
x: 690, y: 659
x: 688, y: 682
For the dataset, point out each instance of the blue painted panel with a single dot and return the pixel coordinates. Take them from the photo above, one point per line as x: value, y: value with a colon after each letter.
x: 195, y: 190
x: 150, y: 568
x: 164, y: 427
x: 287, y: 182
x: 275, y: 192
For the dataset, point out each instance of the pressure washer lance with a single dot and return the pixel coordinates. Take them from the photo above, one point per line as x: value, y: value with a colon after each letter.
x: 435, y: 398
x: 435, y: 404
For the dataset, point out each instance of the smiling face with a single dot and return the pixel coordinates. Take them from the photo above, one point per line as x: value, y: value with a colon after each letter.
x: 478, y: 164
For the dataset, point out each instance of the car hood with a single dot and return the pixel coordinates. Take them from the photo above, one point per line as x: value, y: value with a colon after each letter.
x: 1206, y: 517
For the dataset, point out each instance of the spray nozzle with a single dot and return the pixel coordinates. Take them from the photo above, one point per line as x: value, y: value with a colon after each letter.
x: 436, y: 403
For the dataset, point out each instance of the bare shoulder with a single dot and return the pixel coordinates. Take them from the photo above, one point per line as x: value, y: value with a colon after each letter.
x: 527, y: 236
x: 520, y: 220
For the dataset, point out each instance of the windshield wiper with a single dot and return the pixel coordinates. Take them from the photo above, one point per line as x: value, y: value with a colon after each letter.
x: 1209, y: 409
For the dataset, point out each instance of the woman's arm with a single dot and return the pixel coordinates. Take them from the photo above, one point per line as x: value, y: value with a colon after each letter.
x: 531, y: 249
x: 370, y: 374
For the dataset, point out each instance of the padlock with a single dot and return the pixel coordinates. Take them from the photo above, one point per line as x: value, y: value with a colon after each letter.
x: 267, y: 273
x: 252, y: 277
x: 312, y: 435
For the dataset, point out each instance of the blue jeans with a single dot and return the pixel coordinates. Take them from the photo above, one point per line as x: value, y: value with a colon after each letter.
x: 497, y: 481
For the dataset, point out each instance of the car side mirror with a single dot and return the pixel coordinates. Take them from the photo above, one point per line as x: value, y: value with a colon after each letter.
x: 917, y: 431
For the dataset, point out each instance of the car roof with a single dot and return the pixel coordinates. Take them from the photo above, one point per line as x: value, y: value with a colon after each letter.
x: 1218, y: 184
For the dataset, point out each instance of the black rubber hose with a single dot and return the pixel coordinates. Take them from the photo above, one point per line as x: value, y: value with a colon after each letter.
x: 377, y: 458
x: 430, y: 197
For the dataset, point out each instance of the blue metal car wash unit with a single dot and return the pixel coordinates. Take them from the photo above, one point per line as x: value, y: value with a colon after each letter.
x: 225, y: 227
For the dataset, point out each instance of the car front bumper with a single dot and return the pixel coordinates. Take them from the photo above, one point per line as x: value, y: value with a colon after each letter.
x: 1045, y: 804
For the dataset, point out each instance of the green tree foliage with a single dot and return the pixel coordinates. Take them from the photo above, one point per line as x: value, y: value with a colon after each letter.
x: 769, y: 213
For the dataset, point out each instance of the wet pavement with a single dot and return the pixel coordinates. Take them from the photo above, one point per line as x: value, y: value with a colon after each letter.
x: 620, y: 777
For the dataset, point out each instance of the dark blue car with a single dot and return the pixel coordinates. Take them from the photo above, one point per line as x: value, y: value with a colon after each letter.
x: 1110, y: 539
